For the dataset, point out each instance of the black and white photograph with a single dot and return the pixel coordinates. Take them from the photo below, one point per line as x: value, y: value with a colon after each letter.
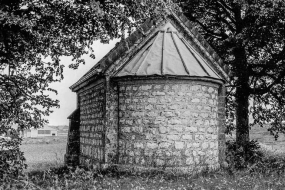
x: 142, y: 94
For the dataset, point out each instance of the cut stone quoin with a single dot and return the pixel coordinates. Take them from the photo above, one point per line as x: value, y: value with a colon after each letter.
x: 154, y: 102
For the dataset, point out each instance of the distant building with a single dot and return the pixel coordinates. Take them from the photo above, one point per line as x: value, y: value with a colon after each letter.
x: 40, y: 132
x: 62, y: 130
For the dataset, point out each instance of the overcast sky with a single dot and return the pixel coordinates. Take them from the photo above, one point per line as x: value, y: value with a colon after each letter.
x: 66, y: 97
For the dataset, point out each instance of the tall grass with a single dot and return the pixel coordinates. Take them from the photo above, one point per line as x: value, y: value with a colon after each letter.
x: 267, y: 173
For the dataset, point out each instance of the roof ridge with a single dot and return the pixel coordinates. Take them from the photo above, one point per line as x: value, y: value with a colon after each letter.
x: 123, y: 46
x: 193, y: 29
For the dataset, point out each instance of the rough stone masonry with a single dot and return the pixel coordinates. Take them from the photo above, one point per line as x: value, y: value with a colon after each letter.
x: 166, y: 124
x: 170, y: 124
x: 92, y: 127
x: 156, y: 101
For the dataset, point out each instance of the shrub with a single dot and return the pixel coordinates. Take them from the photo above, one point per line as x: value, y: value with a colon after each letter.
x: 240, y: 157
x: 12, y: 161
x: 270, y: 163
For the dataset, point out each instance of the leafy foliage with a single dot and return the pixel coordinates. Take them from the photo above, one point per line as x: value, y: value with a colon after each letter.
x: 248, y: 35
x: 250, y: 38
x: 270, y: 163
x: 241, y: 157
x: 34, y: 35
x: 11, y: 158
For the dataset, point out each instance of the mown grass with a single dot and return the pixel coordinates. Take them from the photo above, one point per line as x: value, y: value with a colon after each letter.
x: 269, y: 173
x: 43, y: 153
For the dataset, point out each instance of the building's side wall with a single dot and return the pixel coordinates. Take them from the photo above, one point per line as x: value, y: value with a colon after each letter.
x: 111, y: 153
x: 73, y: 140
x: 170, y: 124
x: 221, y: 124
x: 47, y: 133
x: 54, y: 133
x: 92, y: 130
x: 34, y: 133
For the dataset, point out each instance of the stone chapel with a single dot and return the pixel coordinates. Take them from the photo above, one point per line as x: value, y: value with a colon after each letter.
x: 155, y: 101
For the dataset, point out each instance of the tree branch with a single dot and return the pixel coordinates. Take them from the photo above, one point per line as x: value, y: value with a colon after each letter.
x: 205, y: 28
x: 226, y: 9
x: 266, y: 89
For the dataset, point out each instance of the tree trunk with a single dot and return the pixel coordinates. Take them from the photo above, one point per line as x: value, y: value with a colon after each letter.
x: 242, y: 123
x: 242, y: 96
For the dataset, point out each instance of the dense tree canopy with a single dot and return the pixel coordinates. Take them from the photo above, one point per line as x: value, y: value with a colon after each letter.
x: 250, y: 37
x: 34, y: 34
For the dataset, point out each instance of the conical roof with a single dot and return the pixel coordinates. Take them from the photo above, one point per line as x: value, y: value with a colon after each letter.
x: 165, y: 52
x: 168, y: 53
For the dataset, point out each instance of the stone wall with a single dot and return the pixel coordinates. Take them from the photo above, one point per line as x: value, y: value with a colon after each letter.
x: 92, y: 120
x: 111, y: 153
x: 170, y: 124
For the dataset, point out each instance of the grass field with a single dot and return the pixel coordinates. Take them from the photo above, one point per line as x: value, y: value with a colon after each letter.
x: 80, y: 179
x: 43, y: 153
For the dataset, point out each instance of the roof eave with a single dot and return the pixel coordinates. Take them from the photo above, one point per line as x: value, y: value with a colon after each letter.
x: 203, y: 44
x: 81, y: 84
x: 185, y: 77
x: 122, y: 48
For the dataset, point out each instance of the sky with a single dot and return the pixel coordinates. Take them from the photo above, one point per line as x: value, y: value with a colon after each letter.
x: 66, y: 97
